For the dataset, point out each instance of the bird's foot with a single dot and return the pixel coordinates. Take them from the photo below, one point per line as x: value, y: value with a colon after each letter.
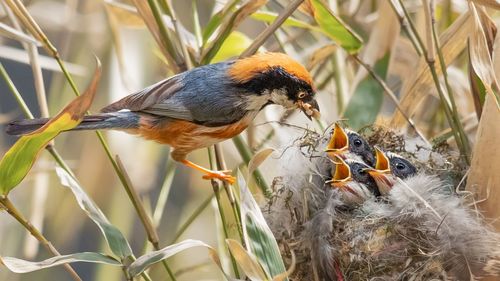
x: 220, y: 175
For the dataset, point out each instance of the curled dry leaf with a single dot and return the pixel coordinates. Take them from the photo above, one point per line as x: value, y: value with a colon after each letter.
x: 258, y: 159
x: 480, y: 56
x: 18, y: 160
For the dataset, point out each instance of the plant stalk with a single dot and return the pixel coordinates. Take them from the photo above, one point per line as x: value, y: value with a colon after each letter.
x: 14, y: 212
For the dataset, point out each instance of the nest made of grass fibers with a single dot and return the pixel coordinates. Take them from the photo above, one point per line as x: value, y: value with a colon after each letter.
x: 424, y: 229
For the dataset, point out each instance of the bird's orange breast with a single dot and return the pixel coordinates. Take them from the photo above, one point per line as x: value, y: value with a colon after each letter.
x: 187, y: 136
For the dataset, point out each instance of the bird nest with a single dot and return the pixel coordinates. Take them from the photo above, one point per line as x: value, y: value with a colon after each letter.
x: 426, y: 230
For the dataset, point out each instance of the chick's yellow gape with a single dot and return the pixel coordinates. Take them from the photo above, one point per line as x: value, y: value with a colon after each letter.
x: 203, y: 106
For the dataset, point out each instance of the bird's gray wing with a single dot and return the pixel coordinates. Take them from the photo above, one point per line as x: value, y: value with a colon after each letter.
x: 204, y: 95
x: 155, y: 99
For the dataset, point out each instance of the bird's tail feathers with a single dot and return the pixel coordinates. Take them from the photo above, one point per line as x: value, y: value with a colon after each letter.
x: 113, y: 120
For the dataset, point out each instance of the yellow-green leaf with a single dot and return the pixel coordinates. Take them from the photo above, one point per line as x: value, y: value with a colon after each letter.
x: 18, y: 160
x: 234, y: 45
x: 270, y: 17
x: 335, y: 28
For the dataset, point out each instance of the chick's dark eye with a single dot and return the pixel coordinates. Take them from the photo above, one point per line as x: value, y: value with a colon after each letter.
x: 357, y: 142
x: 362, y: 171
x: 400, y: 166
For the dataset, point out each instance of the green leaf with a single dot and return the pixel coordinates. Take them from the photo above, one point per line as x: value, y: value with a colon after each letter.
x: 19, y: 159
x: 259, y: 238
x: 144, y: 262
x: 365, y: 103
x: 270, y: 17
x: 23, y: 266
x: 114, y: 238
x: 233, y: 46
x: 335, y: 28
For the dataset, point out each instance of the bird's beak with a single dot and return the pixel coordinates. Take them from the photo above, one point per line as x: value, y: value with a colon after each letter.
x: 382, y: 172
x: 339, y: 142
x: 310, y: 109
x: 342, y: 174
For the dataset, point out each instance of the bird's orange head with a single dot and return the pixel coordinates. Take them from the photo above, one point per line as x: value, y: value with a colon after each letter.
x: 278, y: 79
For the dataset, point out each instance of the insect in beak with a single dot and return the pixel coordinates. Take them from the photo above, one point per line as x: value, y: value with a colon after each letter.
x: 310, y: 109
x: 339, y: 142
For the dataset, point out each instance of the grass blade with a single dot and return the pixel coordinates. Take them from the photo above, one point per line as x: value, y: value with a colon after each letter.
x: 147, y: 260
x: 23, y: 266
x: 259, y: 238
x: 115, y: 239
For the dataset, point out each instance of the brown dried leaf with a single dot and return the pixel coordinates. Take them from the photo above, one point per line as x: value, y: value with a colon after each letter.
x: 489, y: 3
x: 484, y: 178
x: 415, y: 89
x: 480, y: 54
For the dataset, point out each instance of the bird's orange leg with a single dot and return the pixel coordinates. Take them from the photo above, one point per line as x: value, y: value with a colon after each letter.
x: 210, y: 174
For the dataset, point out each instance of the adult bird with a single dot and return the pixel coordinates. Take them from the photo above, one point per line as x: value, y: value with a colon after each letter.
x: 348, y: 144
x: 203, y: 106
x: 350, y: 177
x: 389, y: 167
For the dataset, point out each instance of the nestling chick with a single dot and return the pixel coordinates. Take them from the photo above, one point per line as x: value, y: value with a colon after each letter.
x: 388, y: 168
x: 348, y: 144
x: 351, y: 179
x: 203, y: 106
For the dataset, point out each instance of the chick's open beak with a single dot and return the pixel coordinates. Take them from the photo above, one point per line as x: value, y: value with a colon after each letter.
x: 310, y: 109
x: 382, y: 172
x: 339, y: 142
x: 342, y: 174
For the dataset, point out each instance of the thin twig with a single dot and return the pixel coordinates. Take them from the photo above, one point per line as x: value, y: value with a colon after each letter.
x: 391, y: 95
x: 216, y: 189
x: 464, y: 142
x: 406, y: 29
x: 185, y: 53
x: 141, y: 212
x: 164, y: 35
x: 259, y: 41
x: 14, y: 212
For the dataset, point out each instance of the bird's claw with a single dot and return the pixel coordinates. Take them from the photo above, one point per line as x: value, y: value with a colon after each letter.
x: 221, y: 175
